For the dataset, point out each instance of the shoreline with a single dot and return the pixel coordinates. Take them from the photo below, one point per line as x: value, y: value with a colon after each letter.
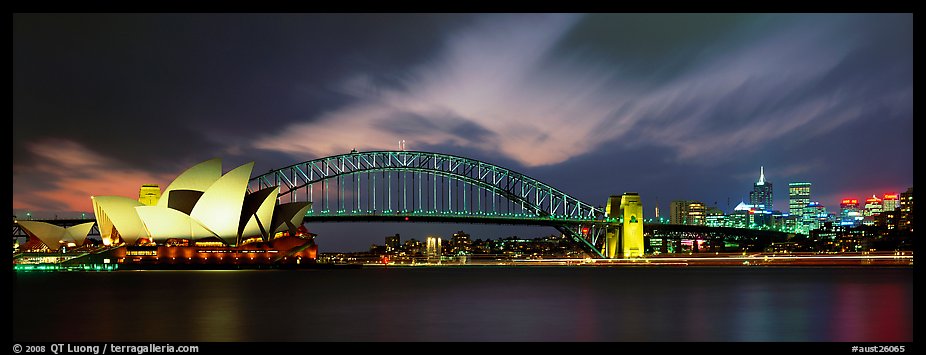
x: 727, y: 260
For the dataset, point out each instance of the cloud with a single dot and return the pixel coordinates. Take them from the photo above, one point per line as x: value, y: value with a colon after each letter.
x: 488, y: 79
x: 539, y: 107
x: 65, y: 174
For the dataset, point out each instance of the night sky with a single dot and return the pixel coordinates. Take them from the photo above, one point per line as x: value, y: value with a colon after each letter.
x: 673, y: 106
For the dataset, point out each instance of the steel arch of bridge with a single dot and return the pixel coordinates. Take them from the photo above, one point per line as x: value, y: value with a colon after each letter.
x: 535, y: 202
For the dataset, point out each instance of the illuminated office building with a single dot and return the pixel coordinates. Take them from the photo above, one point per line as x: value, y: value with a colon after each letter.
x: 873, y: 206
x: 798, y: 197
x: 714, y: 217
x: 849, y: 214
x: 890, y: 202
x: 814, y: 215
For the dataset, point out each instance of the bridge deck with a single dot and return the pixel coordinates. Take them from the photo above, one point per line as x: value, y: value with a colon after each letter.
x: 450, y: 218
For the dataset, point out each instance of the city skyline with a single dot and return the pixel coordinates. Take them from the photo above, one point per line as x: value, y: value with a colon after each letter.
x: 675, y: 107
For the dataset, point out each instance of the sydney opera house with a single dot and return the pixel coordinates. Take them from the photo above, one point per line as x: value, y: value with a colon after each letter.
x: 203, y: 217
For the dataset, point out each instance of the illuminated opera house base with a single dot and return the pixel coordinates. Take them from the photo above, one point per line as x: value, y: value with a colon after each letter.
x: 203, y: 219
x: 287, y: 250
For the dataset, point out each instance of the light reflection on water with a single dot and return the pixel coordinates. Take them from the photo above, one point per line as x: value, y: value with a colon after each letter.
x: 469, y: 304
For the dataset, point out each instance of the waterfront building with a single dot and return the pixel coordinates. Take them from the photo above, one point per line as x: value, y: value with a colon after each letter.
x: 204, y: 216
x: 44, y: 236
x: 393, y: 242
x: 460, y: 243
x: 433, y: 251
x: 200, y: 203
x: 414, y: 247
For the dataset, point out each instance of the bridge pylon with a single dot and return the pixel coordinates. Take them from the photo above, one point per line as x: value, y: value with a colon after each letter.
x: 613, y: 231
x: 624, y: 239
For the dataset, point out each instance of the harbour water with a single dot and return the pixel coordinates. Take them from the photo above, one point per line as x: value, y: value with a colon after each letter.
x: 544, y: 303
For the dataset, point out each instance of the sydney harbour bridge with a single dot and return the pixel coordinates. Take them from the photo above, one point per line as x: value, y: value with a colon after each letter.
x: 423, y: 187
x: 413, y: 186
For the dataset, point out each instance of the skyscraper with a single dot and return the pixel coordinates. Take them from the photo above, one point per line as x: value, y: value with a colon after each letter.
x: 678, y: 211
x: 890, y: 202
x: 873, y: 209
x: 873, y: 206
x: 814, y: 215
x: 761, y: 195
x: 798, y: 197
x: 848, y: 212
